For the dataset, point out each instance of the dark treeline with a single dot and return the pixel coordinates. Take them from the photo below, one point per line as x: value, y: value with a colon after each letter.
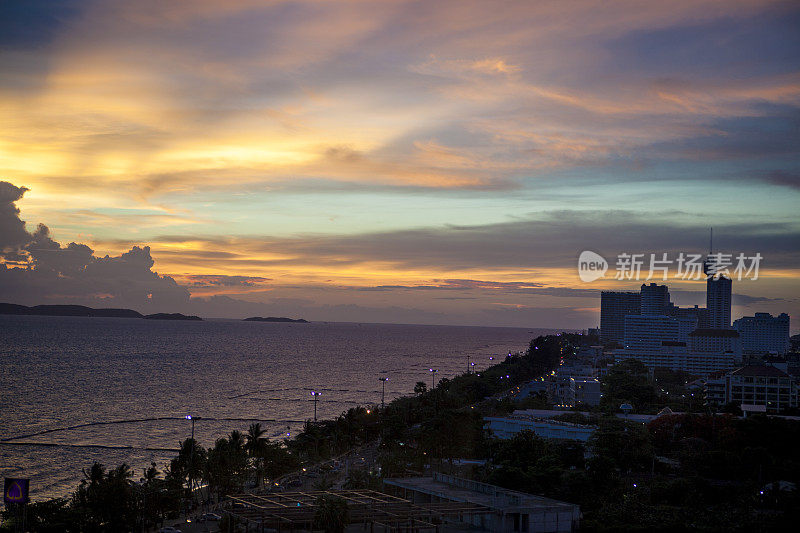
x: 688, y: 472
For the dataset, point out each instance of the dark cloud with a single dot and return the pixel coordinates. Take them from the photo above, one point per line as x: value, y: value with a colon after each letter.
x: 34, y: 23
x: 699, y: 298
x: 746, y: 299
x: 773, y: 134
x: 549, y: 240
x: 507, y: 287
x: 343, y: 153
x: 219, y: 280
x: 48, y: 272
x: 12, y: 230
x: 541, y: 317
x: 721, y: 45
x: 784, y: 177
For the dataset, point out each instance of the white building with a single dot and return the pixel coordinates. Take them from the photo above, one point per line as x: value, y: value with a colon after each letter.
x: 764, y: 333
x: 716, y: 341
x: 754, y: 385
x: 677, y: 356
x: 648, y: 332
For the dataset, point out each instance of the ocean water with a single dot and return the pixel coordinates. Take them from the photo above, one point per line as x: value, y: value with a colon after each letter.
x: 74, y: 390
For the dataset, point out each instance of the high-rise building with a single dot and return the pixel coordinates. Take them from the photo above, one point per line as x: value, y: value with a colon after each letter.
x: 716, y: 341
x: 700, y: 314
x: 718, y: 289
x: 614, y: 307
x: 764, y: 333
x: 686, y: 325
x: 718, y: 301
x: 658, y: 341
x: 655, y: 299
x: 648, y: 332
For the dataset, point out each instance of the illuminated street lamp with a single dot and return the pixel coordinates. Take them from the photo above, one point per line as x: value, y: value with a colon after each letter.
x: 433, y: 372
x: 191, y: 467
x: 315, y: 398
x: 383, y: 389
x: 190, y: 417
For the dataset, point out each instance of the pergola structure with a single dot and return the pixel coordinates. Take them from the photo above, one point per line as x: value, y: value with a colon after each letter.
x: 290, y: 511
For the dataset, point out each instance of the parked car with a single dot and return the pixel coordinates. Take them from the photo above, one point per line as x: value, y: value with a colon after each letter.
x: 169, y: 529
x: 210, y: 517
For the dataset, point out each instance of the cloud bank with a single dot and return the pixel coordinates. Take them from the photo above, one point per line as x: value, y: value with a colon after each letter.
x: 37, y: 269
x: 526, y: 268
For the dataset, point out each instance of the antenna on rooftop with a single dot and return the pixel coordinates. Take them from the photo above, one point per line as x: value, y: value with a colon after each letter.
x: 711, y: 241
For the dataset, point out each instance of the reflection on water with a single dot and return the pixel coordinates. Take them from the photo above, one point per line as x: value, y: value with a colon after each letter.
x: 114, y: 390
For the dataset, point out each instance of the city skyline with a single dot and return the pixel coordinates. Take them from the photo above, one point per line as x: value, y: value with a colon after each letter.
x: 400, y: 162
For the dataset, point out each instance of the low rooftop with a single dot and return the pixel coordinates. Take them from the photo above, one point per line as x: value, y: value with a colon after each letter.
x: 760, y: 371
x: 482, y: 494
x: 712, y: 332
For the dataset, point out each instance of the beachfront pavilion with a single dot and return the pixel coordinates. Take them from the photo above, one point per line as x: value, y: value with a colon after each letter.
x: 509, y: 510
x: 440, y: 503
x: 369, y: 511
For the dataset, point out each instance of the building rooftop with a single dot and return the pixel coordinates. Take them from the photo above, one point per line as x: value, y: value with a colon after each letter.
x: 760, y: 371
x: 534, y: 418
x: 296, y: 510
x: 457, y: 489
x: 710, y: 332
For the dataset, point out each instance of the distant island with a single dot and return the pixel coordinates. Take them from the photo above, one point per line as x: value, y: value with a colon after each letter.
x: 171, y: 316
x: 275, y: 319
x: 66, y: 310
x: 82, y: 310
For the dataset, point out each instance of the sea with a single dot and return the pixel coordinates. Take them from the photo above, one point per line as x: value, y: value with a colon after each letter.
x: 75, y: 390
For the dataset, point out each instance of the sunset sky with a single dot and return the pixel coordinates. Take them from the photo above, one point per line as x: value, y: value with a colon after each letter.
x: 437, y: 162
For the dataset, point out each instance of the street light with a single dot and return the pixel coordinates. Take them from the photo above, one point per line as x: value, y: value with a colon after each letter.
x: 383, y: 389
x: 433, y: 372
x: 315, y: 399
x: 191, y: 464
x: 190, y: 417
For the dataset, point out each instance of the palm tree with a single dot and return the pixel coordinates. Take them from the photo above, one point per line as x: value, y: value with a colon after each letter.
x: 256, y: 447
x: 331, y: 515
x: 237, y: 456
x: 95, y: 473
x: 120, y: 474
x: 151, y: 473
x: 236, y: 439
x: 189, y: 463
